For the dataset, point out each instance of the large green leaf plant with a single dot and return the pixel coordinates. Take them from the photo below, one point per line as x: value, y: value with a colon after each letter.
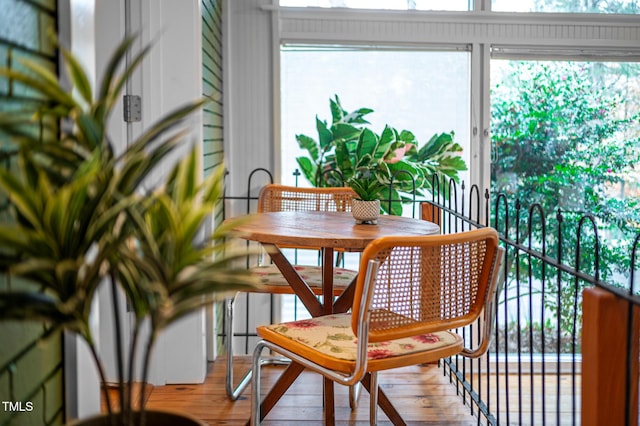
x: 79, y: 217
x: 346, y: 151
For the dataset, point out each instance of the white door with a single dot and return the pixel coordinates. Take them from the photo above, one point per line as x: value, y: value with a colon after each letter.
x: 169, y: 77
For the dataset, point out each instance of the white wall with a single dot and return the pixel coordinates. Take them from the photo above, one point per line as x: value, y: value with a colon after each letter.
x: 248, y: 91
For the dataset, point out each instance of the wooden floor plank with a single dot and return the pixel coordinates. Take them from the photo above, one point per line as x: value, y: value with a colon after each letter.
x: 422, y: 394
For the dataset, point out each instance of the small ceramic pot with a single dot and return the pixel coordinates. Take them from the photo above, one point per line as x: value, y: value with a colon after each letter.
x: 365, y: 211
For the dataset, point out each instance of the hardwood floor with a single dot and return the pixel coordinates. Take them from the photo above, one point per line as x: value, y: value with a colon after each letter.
x: 421, y: 394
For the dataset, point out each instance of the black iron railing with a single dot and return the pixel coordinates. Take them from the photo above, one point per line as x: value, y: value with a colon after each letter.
x: 532, y: 374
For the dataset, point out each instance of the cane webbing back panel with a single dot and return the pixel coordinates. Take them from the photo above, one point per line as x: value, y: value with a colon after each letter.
x: 427, y: 284
x: 277, y: 198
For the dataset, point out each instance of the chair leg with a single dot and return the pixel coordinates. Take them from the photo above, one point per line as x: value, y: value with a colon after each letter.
x: 354, y: 395
x: 232, y: 393
x: 373, y: 392
x: 255, y: 386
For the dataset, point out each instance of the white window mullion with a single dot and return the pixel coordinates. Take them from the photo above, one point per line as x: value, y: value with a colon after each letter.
x: 480, y: 157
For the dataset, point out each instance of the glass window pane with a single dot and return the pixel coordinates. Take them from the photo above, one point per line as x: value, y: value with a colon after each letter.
x: 565, y: 139
x: 566, y: 6
x: 419, y: 91
x: 566, y: 136
x: 457, y: 5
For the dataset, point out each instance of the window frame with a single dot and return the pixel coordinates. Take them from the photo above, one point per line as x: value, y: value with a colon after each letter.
x: 486, y: 34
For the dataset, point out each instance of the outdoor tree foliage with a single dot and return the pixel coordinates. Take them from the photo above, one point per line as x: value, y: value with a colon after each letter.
x: 567, y: 142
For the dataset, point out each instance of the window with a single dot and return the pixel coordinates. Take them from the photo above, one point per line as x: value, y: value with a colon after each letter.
x: 425, y: 92
x: 566, y: 136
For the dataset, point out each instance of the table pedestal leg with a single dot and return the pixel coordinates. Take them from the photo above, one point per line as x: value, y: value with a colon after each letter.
x: 327, y: 280
x: 344, y: 302
x: 329, y: 410
x: 327, y: 300
x: 300, y: 288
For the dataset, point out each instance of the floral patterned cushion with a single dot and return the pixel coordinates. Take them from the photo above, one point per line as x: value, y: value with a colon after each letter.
x: 332, y: 335
x: 271, y: 275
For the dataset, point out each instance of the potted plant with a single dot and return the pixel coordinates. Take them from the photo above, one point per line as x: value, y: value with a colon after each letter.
x: 368, y: 187
x: 346, y: 145
x: 80, y: 219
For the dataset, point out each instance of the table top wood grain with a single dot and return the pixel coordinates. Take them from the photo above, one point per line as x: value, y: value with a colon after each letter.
x: 337, y: 230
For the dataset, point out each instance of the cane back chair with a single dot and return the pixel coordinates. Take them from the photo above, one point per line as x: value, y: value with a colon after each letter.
x: 273, y: 198
x: 410, y: 294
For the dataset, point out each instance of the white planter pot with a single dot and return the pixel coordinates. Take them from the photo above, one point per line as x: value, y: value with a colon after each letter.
x: 365, y: 211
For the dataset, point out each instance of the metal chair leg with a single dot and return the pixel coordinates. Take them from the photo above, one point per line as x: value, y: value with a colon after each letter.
x: 255, y: 391
x: 354, y: 395
x: 232, y: 392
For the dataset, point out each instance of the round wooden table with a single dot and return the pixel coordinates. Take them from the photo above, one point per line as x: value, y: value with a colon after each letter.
x: 336, y: 230
x: 327, y: 231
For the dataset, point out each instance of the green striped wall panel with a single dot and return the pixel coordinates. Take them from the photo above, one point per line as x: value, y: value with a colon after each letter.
x: 212, y: 76
x: 212, y: 72
x: 30, y: 364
